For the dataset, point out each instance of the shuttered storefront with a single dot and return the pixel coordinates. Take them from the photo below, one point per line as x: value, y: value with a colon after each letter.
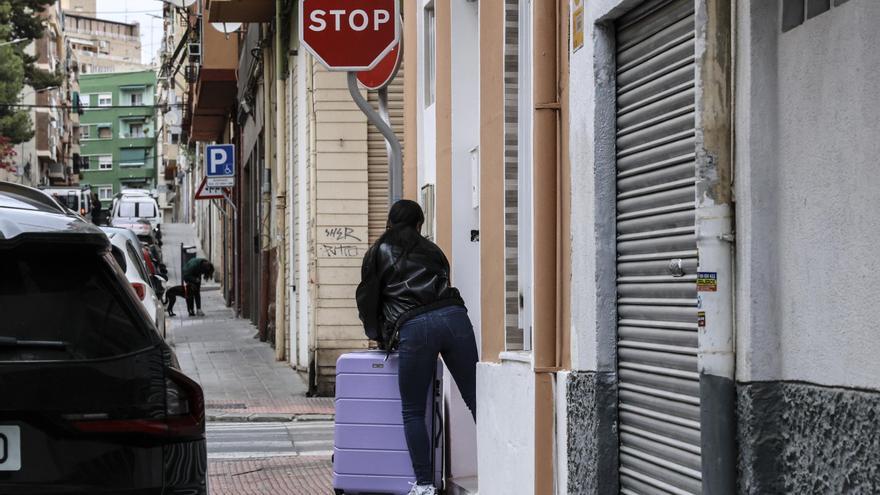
x: 377, y: 157
x: 659, y: 401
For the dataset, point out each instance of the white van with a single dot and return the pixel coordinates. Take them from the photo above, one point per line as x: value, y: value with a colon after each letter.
x: 129, y: 211
x: 76, y: 199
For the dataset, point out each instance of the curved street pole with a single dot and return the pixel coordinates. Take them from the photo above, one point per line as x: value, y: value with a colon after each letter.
x: 395, y: 154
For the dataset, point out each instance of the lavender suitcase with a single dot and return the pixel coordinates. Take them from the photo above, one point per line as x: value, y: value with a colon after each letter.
x: 369, y: 447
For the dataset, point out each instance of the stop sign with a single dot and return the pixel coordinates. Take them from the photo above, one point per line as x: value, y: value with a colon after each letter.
x: 349, y: 35
x: 381, y: 75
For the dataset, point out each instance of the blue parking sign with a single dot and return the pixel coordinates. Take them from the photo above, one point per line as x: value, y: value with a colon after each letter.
x: 220, y: 160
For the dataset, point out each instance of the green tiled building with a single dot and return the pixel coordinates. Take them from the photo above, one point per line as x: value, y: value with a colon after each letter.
x: 118, y: 131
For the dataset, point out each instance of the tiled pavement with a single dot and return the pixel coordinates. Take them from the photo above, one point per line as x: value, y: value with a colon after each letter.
x: 239, y: 374
x: 243, y: 383
x: 302, y: 475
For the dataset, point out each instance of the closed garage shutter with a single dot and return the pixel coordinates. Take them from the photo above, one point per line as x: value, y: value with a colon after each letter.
x: 377, y: 158
x: 659, y: 402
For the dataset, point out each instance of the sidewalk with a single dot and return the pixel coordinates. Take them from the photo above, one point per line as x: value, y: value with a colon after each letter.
x: 276, y: 476
x: 239, y: 374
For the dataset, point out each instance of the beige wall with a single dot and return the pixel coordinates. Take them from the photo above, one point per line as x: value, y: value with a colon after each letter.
x: 341, y: 221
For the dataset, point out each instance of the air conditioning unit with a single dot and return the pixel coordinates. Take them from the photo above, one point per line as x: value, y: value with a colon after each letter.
x: 195, y: 53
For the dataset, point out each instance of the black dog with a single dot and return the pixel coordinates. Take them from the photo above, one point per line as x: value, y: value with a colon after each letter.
x: 171, y: 295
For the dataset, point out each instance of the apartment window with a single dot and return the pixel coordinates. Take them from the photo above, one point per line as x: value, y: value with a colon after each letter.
x: 105, y: 100
x: 85, y: 100
x: 105, y: 162
x: 105, y: 131
x: 137, y: 99
x: 132, y: 157
x: 175, y: 138
x: 105, y: 193
x: 85, y: 132
x: 430, y: 62
x: 136, y: 130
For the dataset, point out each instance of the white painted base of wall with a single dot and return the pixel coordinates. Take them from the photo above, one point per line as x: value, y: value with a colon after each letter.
x: 506, y: 428
x: 561, y: 411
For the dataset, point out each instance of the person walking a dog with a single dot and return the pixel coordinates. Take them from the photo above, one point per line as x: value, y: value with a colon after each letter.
x: 191, y: 289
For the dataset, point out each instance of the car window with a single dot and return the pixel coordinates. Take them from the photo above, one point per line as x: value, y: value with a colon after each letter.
x: 72, y: 297
x: 127, y: 209
x: 136, y: 209
x: 68, y: 200
x: 146, y: 209
x: 137, y: 260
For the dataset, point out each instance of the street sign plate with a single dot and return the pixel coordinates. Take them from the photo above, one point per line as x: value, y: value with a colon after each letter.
x: 220, y: 181
x: 349, y: 35
x: 220, y: 160
x: 207, y: 192
x: 384, y: 72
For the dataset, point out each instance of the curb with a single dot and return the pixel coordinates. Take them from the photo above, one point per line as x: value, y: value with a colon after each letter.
x: 266, y: 418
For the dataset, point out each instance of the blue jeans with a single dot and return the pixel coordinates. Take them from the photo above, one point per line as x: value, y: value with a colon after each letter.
x: 447, y: 332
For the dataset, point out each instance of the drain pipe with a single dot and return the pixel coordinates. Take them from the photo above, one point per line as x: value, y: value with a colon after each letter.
x: 281, y: 326
x: 312, y: 229
x: 715, y: 239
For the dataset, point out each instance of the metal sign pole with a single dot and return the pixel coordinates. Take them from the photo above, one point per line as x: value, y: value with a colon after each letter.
x: 395, y: 154
x: 383, y: 112
x: 235, y: 243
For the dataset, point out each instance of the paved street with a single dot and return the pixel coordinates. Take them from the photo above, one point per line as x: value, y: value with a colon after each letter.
x: 264, y: 435
x: 256, y: 440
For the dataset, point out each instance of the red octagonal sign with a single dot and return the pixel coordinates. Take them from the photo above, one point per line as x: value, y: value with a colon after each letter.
x: 349, y: 35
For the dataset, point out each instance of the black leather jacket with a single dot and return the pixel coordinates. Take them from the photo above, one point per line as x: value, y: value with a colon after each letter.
x: 396, y: 288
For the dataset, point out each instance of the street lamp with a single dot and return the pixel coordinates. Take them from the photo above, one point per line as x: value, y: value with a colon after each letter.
x: 12, y: 42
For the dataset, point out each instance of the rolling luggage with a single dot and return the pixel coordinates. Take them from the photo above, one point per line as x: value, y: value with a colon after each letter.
x: 369, y: 448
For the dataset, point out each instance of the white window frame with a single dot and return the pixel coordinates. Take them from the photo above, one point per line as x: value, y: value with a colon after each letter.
x: 105, y: 162
x: 101, y: 189
x: 85, y: 132
x: 105, y: 99
x: 85, y: 101
x: 131, y: 134
x: 136, y: 99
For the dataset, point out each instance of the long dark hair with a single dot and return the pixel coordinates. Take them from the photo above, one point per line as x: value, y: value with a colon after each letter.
x: 404, y: 221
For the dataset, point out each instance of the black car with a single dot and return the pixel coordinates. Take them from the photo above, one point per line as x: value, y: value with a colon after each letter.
x: 92, y: 400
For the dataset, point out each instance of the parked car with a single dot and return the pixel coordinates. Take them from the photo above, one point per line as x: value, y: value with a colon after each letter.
x: 128, y: 210
x: 143, y: 279
x: 94, y: 400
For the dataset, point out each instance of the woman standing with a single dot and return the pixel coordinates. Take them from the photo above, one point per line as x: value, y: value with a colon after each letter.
x: 96, y: 209
x: 406, y: 302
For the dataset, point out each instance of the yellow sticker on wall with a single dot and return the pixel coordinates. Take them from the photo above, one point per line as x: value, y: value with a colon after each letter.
x: 707, y: 282
x: 577, y: 25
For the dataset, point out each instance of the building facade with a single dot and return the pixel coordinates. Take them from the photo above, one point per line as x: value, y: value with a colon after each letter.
x: 101, y: 45
x: 87, y: 7
x: 118, y: 131
x: 52, y: 156
x: 311, y: 191
x: 655, y: 211
x: 644, y: 177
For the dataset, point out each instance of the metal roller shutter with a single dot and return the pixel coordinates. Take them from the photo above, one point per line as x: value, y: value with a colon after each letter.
x: 377, y: 157
x: 659, y: 401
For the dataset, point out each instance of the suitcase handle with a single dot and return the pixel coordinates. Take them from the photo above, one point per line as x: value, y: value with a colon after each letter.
x: 438, y: 414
